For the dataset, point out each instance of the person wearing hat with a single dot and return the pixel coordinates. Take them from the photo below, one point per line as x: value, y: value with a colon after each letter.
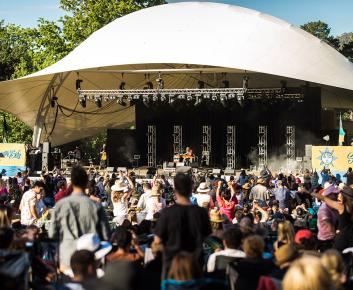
x: 202, y: 196
x: 226, y: 200
x: 284, y: 255
x: 155, y: 203
x: 259, y: 191
x: 344, y: 206
x: 327, y: 219
x: 120, y: 198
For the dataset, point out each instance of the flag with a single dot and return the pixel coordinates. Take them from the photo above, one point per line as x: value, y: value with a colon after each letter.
x: 5, y: 130
x: 341, y: 133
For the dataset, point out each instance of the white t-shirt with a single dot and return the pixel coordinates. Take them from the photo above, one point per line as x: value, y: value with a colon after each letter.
x: 202, y: 198
x: 211, y: 263
x: 120, y: 208
x: 26, y: 217
x: 142, y: 201
x: 153, y: 205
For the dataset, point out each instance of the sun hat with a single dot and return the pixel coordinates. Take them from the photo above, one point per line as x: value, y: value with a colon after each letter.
x: 285, y: 253
x: 303, y: 234
x: 119, y: 186
x: 215, y: 216
x: 203, y: 188
x: 92, y: 242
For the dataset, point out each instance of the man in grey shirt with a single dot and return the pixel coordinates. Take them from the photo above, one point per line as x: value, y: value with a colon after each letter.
x: 259, y: 191
x: 76, y: 215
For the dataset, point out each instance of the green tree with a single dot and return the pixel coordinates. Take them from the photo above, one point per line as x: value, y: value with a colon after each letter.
x: 322, y: 31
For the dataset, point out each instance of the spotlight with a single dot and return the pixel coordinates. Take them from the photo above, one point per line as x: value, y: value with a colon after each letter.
x: 231, y: 96
x: 163, y: 98
x: 121, y: 102
x: 226, y: 83
x: 223, y: 99
x: 198, y: 101
x: 155, y: 98
x: 78, y: 84
x: 189, y: 97
x: 283, y: 87
x: 245, y: 83
x: 160, y: 82
x: 98, y: 101
x: 82, y: 100
x: 145, y: 101
x: 201, y: 84
x: 207, y: 96
x: 53, y: 100
x: 122, y: 86
x: 181, y: 97
x: 214, y: 98
x: 171, y: 100
x: 148, y: 86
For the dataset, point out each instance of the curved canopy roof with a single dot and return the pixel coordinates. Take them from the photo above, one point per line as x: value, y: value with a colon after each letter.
x: 182, y: 41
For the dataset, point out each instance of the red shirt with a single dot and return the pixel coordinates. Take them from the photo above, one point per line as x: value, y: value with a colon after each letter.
x: 61, y: 194
x: 227, y: 208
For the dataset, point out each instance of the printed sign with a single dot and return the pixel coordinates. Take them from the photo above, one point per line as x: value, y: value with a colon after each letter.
x: 12, y: 158
x: 335, y: 158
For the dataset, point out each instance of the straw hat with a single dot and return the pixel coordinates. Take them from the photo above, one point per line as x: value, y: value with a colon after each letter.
x: 215, y: 216
x: 203, y: 188
x: 119, y: 186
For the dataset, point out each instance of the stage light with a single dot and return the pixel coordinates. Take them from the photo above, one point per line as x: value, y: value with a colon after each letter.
x: 82, y: 100
x: 207, y: 96
x: 122, y: 86
x: 214, y: 98
x: 181, y: 97
x: 223, y: 99
x: 283, y: 87
x: 53, y: 100
x: 160, y: 82
x: 145, y: 101
x: 155, y: 98
x: 201, y: 84
x: 78, y: 84
x: 189, y: 97
x: 129, y: 98
x: 245, y: 83
x: 163, y: 98
x: 231, y: 96
x: 171, y: 100
x: 137, y: 97
x: 98, y: 101
x: 121, y: 101
x: 198, y: 101
x: 148, y: 86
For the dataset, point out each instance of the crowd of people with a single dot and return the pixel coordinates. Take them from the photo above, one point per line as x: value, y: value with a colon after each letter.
x: 98, y: 230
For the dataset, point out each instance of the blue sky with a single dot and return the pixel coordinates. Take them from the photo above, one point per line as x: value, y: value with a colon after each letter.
x: 337, y: 13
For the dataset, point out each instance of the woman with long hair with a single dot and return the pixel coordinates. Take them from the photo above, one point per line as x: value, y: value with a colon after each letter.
x: 344, y: 206
x: 333, y: 262
x: 285, y: 234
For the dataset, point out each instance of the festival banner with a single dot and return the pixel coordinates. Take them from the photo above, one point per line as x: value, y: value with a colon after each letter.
x: 335, y: 158
x: 12, y: 158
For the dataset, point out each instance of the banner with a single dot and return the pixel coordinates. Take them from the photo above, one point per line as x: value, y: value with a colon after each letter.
x: 335, y: 158
x: 12, y: 158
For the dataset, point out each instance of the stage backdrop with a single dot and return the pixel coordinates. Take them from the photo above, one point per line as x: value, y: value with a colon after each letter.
x: 12, y: 158
x: 336, y: 158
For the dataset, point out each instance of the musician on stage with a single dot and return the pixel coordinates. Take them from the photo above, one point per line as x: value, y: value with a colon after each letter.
x: 188, y: 156
x: 103, y: 156
x: 78, y: 154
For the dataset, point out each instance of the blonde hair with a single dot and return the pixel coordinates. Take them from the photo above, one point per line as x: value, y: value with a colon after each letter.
x: 332, y: 261
x: 307, y: 273
x: 117, y: 196
x: 5, y: 216
x: 285, y: 232
x: 2, y: 183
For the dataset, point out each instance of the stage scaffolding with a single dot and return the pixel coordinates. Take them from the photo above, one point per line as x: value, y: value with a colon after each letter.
x: 262, y: 146
x: 290, y: 138
x: 206, y: 144
x: 231, y: 147
x: 151, y: 145
x: 178, y: 139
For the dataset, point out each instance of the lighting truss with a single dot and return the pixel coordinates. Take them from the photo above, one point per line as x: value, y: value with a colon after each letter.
x: 214, y: 94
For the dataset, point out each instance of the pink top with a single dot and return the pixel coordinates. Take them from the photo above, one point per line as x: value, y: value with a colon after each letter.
x: 227, y: 208
x: 3, y: 191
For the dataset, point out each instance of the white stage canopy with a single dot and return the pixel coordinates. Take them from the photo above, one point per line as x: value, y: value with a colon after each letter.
x: 186, y: 42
